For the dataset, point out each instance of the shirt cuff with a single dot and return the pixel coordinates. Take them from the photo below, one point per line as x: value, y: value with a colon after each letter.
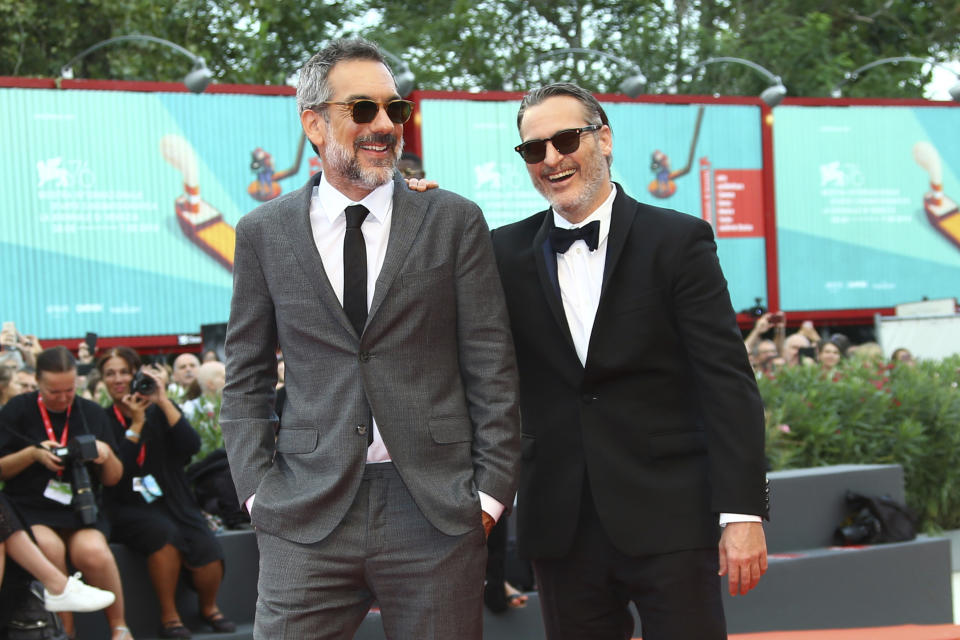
x: 491, y: 506
x: 727, y: 518
x: 249, y: 503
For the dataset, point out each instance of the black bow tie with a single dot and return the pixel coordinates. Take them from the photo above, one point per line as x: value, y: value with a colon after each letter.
x: 561, y: 239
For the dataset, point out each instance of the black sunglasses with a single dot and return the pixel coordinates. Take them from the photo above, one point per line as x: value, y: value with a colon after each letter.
x: 566, y: 141
x: 363, y: 110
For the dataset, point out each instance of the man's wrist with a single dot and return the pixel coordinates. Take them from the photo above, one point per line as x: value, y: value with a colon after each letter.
x: 491, y: 506
x: 729, y: 518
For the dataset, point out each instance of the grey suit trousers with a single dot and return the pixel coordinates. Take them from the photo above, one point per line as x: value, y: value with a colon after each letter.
x: 428, y: 584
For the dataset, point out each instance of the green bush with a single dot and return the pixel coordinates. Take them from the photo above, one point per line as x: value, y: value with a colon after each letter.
x: 871, y: 412
x: 206, y: 421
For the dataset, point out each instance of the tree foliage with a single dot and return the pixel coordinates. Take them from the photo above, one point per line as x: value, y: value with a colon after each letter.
x: 501, y: 44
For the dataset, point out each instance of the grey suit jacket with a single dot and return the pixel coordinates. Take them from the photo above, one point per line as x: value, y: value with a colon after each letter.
x: 435, y: 362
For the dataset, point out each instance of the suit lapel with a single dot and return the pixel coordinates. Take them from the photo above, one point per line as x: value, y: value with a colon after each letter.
x: 408, y: 213
x: 621, y: 219
x: 622, y: 216
x: 546, y: 261
x: 300, y: 235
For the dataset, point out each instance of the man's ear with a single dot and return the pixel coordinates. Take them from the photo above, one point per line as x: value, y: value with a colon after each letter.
x: 606, y: 140
x: 314, y: 126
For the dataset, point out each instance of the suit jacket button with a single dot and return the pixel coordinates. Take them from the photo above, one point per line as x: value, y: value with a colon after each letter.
x: 364, y: 356
x: 587, y: 398
x: 361, y: 429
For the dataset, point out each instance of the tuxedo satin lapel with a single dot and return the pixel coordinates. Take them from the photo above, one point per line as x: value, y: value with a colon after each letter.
x: 409, y: 209
x: 621, y: 219
x: 296, y: 225
x: 546, y: 261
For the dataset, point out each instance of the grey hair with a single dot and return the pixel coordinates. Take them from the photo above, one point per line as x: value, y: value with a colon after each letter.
x: 313, y: 88
x: 592, y: 111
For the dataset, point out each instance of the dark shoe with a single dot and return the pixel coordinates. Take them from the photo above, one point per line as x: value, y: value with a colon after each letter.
x: 174, y: 629
x: 220, y: 623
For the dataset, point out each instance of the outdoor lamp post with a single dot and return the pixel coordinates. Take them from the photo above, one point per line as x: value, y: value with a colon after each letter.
x: 632, y: 86
x: 196, y: 80
x: 772, y: 95
x: 853, y: 76
x: 404, y: 76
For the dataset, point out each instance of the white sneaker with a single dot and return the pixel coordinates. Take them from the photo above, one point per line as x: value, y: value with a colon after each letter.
x: 78, y: 597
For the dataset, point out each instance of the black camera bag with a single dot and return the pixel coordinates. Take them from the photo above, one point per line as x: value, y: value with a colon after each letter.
x: 875, y: 520
x: 214, y: 490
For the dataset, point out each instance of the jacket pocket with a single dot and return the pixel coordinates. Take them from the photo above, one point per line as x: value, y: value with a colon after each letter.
x: 677, y: 443
x: 450, y: 429
x: 297, y: 440
x: 426, y: 277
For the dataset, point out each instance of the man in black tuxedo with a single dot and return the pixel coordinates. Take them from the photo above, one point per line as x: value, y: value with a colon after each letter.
x: 642, y: 423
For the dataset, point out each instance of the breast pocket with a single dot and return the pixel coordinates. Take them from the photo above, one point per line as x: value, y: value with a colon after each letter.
x: 642, y: 301
x: 427, y: 277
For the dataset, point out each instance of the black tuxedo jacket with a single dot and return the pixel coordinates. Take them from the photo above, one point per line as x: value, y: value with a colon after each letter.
x: 665, y: 418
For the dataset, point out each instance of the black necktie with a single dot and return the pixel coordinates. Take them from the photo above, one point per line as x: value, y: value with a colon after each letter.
x: 561, y: 239
x: 355, y: 278
x: 355, y: 268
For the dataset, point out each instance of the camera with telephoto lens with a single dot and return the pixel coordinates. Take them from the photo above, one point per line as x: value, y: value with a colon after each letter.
x: 862, y: 528
x: 143, y: 384
x: 80, y: 450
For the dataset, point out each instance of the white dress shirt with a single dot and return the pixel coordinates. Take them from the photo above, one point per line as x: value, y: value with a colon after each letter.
x: 329, y: 224
x: 580, y: 275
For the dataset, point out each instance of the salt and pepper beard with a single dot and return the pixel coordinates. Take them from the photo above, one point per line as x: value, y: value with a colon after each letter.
x: 347, y: 165
x: 595, y: 171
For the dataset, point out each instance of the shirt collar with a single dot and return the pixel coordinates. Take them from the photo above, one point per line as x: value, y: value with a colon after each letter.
x: 378, y: 202
x: 603, y: 213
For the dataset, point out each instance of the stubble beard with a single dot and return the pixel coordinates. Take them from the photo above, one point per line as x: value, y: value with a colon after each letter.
x: 347, y: 164
x: 594, y: 173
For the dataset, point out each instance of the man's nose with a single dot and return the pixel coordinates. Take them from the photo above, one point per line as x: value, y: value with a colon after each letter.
x: 382, y: 122
x: 552, y: 157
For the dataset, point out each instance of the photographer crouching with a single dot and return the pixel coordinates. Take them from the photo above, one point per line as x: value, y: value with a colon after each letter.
x: 61, y: 451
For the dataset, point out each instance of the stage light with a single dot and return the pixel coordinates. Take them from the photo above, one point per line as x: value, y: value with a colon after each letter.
x: 853, y: 76
x: 404, y: 76
x: 633, y: 85
x: 196, y: 80
x: 772, y: 95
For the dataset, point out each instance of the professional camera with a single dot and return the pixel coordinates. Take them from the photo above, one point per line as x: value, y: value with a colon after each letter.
x: 80, y: 450
x: 862, y: 528
x: 756, y: 310
x: 142, y: 384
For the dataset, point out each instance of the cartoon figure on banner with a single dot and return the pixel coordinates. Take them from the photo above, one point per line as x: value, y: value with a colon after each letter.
x: 199, y: 221
x: 267, y: 185
x: 663, y: 186
x: 942, y: 212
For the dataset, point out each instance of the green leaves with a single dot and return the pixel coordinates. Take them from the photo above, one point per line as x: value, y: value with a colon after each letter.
x: 872, y: 412
x: 488, y: 45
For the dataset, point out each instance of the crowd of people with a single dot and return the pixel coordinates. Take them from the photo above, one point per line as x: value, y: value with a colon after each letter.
x: 770, y: 348
x: 93, y: 450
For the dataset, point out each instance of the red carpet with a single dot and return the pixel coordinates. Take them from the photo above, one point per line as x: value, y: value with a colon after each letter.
x: 904, y: 632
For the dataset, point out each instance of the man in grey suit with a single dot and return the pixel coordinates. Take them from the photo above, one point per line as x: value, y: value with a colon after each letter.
x: 399, y: 440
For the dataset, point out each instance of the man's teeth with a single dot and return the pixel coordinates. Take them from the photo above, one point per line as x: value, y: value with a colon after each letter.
x: 561, y: 175
x: 374, y: 147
